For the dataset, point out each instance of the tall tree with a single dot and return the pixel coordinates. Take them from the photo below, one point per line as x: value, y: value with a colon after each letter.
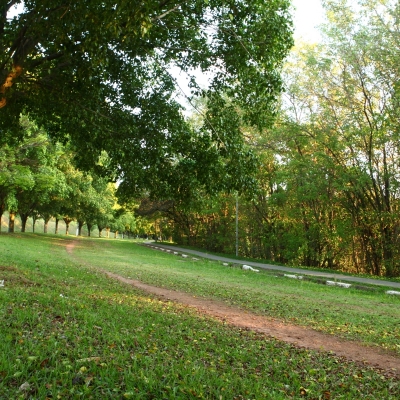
x: 342, y: 110
x: 39, y: 156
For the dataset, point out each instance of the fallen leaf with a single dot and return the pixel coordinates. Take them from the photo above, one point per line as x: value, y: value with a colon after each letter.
x: 303, y: 391
x: 88, y: 380
x: 24, y: 387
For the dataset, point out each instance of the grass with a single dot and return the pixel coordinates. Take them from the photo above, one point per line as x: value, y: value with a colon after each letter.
x: 305, y: 268
x: 68, y: 332
x: 370, y: 317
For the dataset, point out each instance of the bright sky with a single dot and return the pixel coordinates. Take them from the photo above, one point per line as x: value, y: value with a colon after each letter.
x: 307, y: 15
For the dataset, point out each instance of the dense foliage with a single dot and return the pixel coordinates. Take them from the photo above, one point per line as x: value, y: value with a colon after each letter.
x: 99, y: 75
x: 329, y: 179
x: 39, y: 181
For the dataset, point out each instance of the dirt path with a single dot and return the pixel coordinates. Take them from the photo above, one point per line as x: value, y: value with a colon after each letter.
x: 296, y: 335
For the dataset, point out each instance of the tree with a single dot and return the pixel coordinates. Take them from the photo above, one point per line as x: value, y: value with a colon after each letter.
x: 98, y: 74
x: 17, y: 171
x: 39, y: 156
x: 15, y: 175
x: 73, y: 207
x: 328, y: 193
x: 97, y: 199
x: 341, y: 143
x: 102, y: 214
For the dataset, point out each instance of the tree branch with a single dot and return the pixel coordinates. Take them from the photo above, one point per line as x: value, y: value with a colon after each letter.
x: 159, y: 17
x: 46, y: 58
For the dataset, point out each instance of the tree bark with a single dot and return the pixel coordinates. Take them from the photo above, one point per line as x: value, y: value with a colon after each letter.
x: 67, y: 222
x: 46, y: 225
x: 24, y: 218
x: 80, y: 225
x: 11, y: 222
x: 33, y: 223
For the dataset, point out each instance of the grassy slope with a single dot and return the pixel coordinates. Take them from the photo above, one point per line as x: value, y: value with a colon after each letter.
x: 372, y: 318
x: 68, y: 332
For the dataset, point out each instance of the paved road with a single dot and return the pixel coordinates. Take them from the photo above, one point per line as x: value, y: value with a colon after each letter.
x: 328, y: 276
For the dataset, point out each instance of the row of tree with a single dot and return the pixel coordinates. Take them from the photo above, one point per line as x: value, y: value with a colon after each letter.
x: 97, y: 75
x: 38, y: 180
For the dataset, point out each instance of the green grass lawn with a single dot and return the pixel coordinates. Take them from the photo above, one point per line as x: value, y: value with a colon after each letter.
x: 68, y: 332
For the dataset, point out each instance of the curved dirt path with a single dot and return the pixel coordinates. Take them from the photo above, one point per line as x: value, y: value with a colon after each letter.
x: 296, y: 335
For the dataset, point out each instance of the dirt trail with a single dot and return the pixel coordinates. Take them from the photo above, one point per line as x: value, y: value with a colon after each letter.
x: 296, y: 335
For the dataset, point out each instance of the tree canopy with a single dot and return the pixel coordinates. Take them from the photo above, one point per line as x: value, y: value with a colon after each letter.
x: 98, y: 74
x: 329, y: 182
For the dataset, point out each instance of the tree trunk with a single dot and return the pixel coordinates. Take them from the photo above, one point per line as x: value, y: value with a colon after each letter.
x: 24, y: 218
x: 56, y: 230
x: 46, y: 224
x: 2, y: 209
x: 388, y: 256
x: 80, y: 225
x: 11, y: 222
x: 89, y: 227
x: 108, y: 232
x: 33, y: 223
x: 67, y: 222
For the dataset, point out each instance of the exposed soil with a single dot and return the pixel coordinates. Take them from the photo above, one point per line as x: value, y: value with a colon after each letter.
x: 296, y: 335
x: 70, y: 247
